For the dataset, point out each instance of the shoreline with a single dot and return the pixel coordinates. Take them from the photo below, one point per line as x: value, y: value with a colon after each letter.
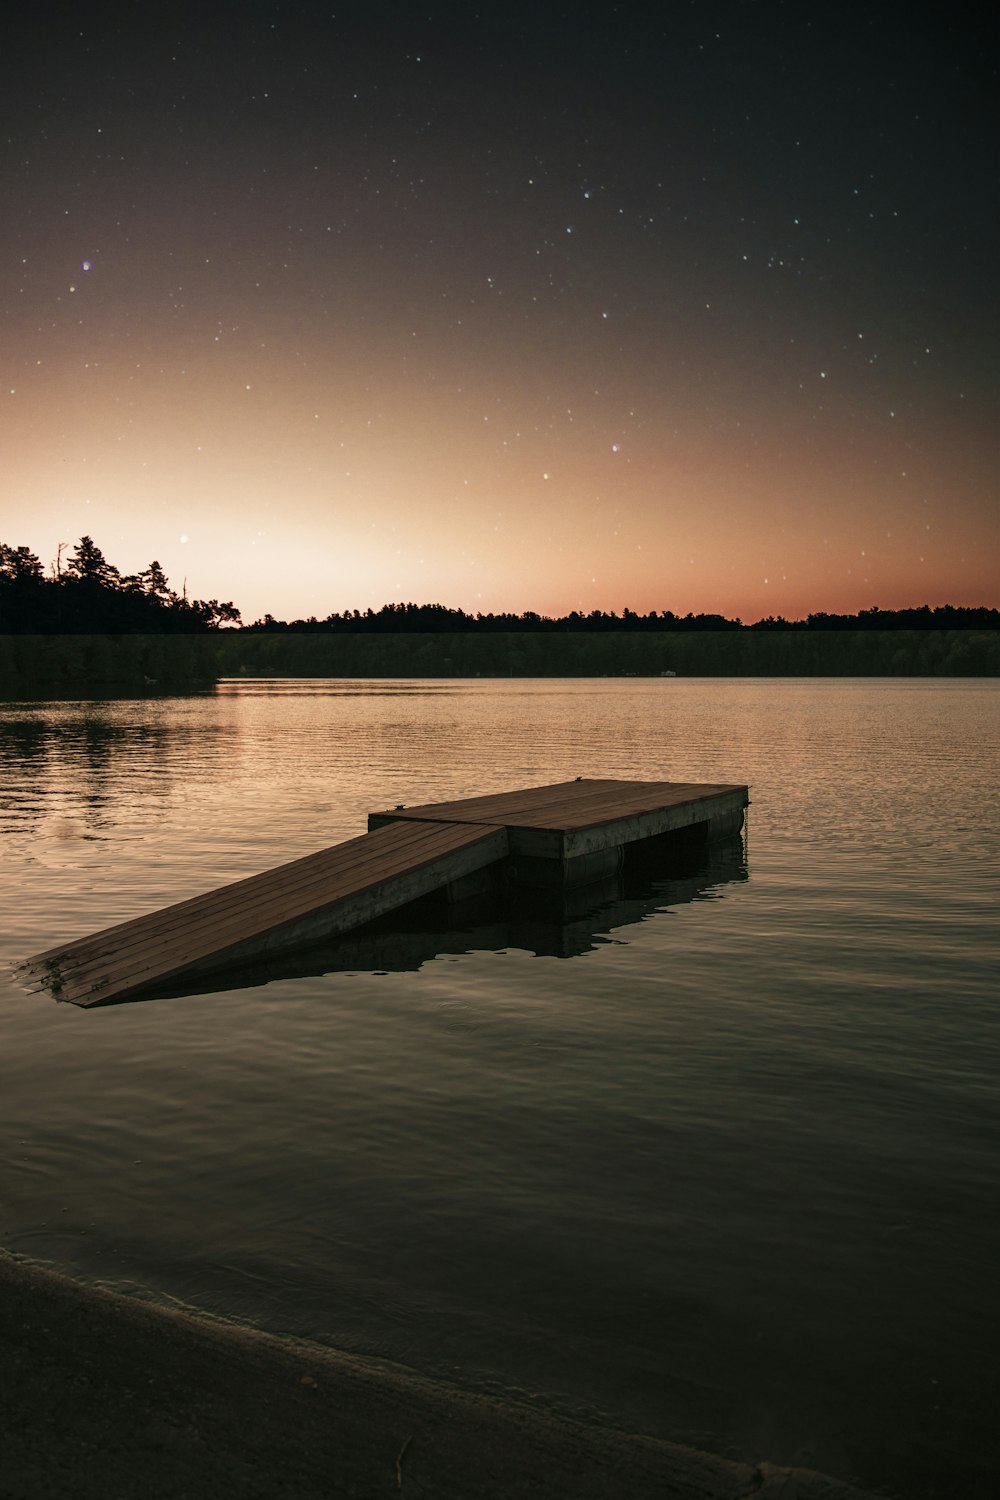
x: 106, y: 1397
x: 158, y: 664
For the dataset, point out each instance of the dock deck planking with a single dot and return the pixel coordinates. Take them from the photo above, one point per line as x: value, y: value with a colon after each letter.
x: 573, y: 818
x: 316, y: 896
x: 566, y: 805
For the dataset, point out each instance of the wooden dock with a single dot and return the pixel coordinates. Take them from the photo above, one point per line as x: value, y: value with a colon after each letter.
x: 572, y: 832
x: 573, y: 819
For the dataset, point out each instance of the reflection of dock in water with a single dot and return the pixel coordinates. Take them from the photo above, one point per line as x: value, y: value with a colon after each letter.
x: 559, y: 844
x: 552, y: 924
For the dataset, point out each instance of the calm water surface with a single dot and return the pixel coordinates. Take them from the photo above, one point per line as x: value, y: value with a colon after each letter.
x: 726, y: 1174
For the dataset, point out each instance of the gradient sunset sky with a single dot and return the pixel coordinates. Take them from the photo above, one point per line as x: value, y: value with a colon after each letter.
x: 547, y: 307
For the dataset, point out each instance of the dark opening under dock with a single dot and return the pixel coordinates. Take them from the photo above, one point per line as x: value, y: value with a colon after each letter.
x: 572, y: 832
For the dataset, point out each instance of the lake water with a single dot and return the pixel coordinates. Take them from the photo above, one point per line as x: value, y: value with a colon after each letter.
x: 719, y: 1163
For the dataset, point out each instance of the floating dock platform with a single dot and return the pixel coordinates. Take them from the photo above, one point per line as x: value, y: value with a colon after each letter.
x: 579, y: 830
x: 570, y: 833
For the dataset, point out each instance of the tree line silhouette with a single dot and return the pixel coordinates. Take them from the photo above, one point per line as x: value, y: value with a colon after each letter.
x: 89, y: 596
x: 405, y: 619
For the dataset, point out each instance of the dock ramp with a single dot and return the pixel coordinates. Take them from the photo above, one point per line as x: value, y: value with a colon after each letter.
x: 306, y: 900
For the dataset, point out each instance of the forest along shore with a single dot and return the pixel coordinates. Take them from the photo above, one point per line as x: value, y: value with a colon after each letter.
x: 103, y: 1395
x: 31, y: 665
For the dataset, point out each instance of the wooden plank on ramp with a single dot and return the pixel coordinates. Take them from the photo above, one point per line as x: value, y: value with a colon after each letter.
x: 305, y: 900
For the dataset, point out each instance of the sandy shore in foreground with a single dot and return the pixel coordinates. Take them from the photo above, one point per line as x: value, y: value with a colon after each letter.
x: 106, y: 1398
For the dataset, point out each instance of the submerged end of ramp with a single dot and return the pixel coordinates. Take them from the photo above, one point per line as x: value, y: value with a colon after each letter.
x: 103, y: 1395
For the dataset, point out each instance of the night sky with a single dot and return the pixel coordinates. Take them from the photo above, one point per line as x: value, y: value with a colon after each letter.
x: 687, y: 307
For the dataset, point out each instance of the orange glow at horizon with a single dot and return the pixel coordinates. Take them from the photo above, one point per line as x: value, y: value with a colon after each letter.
x: 338, y: 482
